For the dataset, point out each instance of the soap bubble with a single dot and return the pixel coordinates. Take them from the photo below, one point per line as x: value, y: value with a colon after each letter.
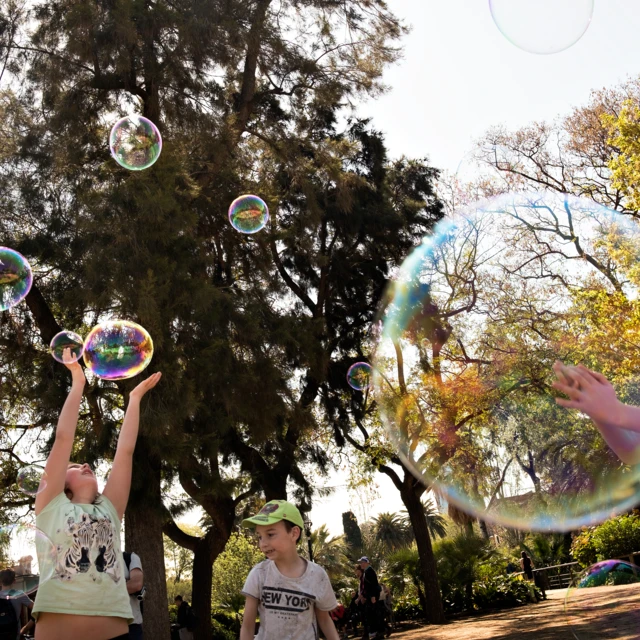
x: 15, y: 278
x: 135, y: 142
x: 359, y: 376
x: 602, y: 601
x: 31, y: 479
x: 248, y: 214
x: 542, y: 26
x: 117, y: 349
x: 466, y: 338
x: 67, y: 340
x: 31, y: 555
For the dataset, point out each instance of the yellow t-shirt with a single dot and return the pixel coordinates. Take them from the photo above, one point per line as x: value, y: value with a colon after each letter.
x: 88, y: 578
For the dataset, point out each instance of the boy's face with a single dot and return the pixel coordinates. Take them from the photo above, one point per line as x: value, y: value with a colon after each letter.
x: 274, y: 539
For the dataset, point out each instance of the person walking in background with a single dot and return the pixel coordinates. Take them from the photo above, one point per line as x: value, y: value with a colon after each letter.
x: 185, y: 616
x: 11, y: 603
x: 361, y: 603
x: 135, y: 580
x: 371, y: 588
x: 526, y: 564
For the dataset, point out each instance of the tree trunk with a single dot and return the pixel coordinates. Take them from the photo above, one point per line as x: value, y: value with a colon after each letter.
x: 143, y: 535
x: 207, y: 550
x: 411, y: 498
x: 423, y: 600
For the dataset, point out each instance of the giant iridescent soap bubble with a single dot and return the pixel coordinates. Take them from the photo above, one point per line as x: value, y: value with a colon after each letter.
x: 30, y: 554
x: 15, y: 278
x: 117, y: 349
x: 466, y: 339
x: 135, y: 142
x: 542, y: 26
x: 589, y: 598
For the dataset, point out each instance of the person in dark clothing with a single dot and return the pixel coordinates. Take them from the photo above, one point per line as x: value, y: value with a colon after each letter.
x: 361, y: 603
x: 371, y: 593
x: 183, y: 619
x: 527, y: 565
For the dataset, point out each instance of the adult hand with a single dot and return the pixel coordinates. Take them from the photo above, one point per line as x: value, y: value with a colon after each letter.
x: 145, y: 386
x: 589, y: 392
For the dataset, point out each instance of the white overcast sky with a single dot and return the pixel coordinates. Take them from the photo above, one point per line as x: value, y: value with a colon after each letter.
x: 460, y: 76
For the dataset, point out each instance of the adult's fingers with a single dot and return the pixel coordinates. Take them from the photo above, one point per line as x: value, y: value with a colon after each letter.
x: 568, y: 404
x: 594, y: 374
x: 570, y: 390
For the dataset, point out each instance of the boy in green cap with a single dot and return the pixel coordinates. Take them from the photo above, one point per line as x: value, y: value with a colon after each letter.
x: 292, y: 596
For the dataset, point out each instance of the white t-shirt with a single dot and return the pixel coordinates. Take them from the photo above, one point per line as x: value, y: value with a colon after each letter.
x: 287, y: 605
x: 135, y: 603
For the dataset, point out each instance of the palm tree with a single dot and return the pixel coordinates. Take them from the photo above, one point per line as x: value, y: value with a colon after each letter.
x: 331, y: 554
x: 403, y: 566
x: 459, y: 560
x: 436, y: 523
x: 391, y: 530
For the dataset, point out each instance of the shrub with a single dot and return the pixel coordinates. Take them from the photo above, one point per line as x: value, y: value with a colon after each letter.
x: 614, y: 538
x: 407, y: 607
x: 503, y: 592
x: 220, y: 632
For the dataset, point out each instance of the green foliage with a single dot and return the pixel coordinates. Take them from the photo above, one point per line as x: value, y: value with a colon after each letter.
x: 615, y: 538
x: 331, y: 554
x: 624, y: 135
x: 502, y: 592
x: 230, y: 570
x: 178, y: 560
x: 182, y: 588
x: 407, y: 607
x: 392, y: 531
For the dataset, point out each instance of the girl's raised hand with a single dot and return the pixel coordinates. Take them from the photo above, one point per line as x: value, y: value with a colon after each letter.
x: 145, y: 386
x: 73, y: 365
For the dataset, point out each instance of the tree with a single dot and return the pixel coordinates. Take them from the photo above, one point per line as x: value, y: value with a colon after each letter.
x: 391, y: 530
x: 230, y: 571
x: 624, y: 135
x: 436, y: 523
x: 331, y: 554
x: 352, y: 534
x: 179, y: 560
x: 459, y: 561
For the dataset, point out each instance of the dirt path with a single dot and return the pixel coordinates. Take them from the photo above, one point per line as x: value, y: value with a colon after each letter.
x: 599, y: 613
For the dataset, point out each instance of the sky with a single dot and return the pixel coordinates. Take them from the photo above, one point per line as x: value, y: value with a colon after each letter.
x: 460, y: 76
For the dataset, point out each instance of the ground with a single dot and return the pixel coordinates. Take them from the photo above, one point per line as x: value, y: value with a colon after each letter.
x: 599, y: 613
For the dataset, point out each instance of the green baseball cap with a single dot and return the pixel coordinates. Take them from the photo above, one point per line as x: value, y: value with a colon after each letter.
x: 273, y: 512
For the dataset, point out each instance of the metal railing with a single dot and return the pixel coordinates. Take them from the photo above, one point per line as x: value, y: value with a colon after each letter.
x: 560, y: 576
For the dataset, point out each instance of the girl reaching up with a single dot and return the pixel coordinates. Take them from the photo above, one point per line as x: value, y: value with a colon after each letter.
x: 592, y: 394
x: 87, y: 595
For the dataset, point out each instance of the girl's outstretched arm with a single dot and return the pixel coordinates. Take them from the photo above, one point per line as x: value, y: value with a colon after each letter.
x: 591, y: 393
x: 119, y: 483
x: 58, y: 460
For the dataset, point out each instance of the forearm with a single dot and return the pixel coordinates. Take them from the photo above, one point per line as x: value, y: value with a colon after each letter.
x: 625, y: 443
x: 130, y: 427
x: 248, y: 630
x: 629, y: 418
x: 68, y: 420
x: 326, y: 624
